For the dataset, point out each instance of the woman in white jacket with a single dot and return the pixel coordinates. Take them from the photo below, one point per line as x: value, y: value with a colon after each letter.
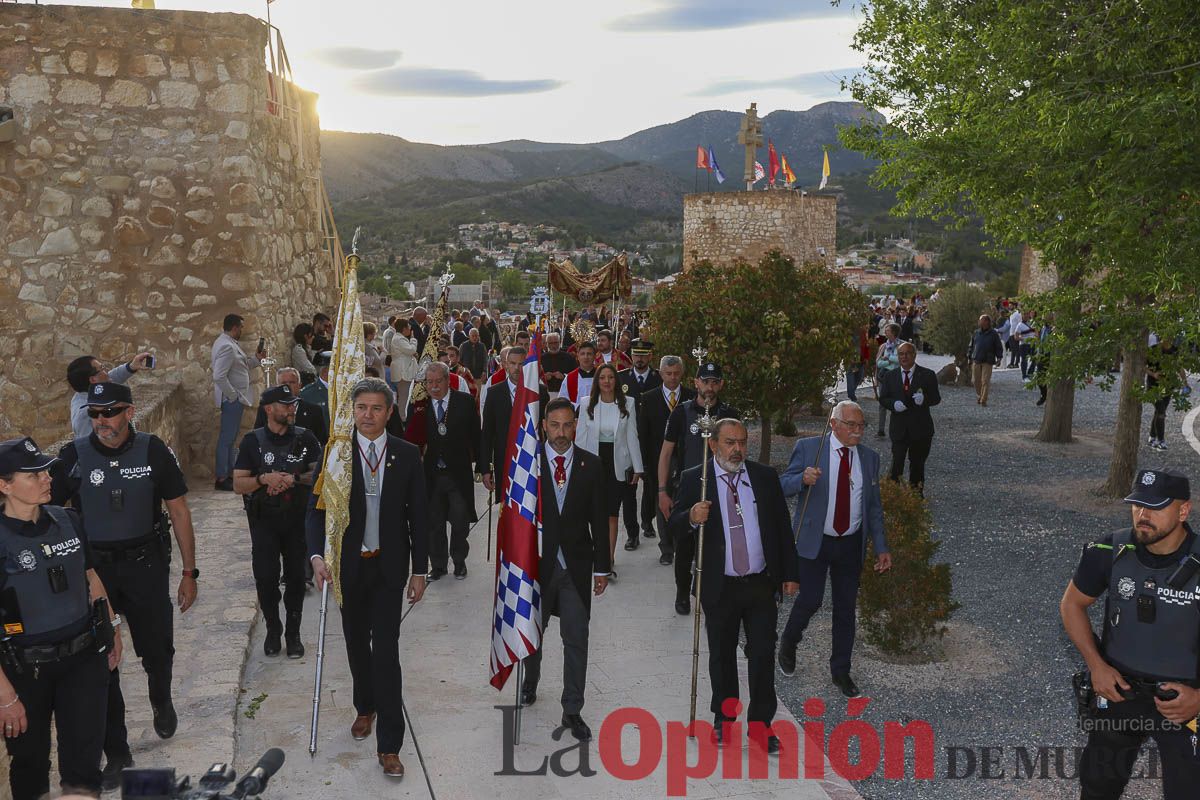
x: 608, y: 427
x: 403, y: 350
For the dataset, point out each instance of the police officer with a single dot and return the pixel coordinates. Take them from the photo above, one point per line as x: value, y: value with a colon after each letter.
x: 119, y: 479
x: 58, y: 644
x: 684, y: 448
x: 273, y: 474
x: 1144, y: 670
x: 317, y: 392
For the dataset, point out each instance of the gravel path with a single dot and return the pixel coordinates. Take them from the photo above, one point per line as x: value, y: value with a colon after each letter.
x: 1012, y: 516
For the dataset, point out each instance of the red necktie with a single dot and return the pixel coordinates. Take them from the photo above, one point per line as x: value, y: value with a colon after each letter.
x: 841, y: 511
x: 906, y: 381
x: 560, y: 470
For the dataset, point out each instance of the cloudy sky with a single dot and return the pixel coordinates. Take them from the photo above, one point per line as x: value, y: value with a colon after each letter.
x: 474, y: 71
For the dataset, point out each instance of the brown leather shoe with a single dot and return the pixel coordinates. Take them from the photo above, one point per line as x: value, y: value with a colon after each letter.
x: 361, y: 728
x: 391, y: 765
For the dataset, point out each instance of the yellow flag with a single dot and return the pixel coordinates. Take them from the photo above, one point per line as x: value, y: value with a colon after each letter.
x: 824, y: 172
x: 143, y: 3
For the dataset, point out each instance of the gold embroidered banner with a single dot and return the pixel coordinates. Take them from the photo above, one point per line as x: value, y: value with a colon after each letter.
x: 599, y: 285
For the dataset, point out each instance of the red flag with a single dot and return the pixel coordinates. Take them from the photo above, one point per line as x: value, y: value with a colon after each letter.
x: 774, y: 162
x: 517, y: 612
x: 702, y: 159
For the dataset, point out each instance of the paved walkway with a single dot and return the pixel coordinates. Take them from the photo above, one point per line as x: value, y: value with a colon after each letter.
x: 640, y: 655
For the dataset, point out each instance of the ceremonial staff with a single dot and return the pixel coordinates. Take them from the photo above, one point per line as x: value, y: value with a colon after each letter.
x: 706, y: 423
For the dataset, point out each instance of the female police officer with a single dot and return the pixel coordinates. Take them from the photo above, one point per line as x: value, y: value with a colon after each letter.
x: 58, y: 644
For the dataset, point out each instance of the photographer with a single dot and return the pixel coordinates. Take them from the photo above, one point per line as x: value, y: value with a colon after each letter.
x: 59, y: 643
x: 273, y: 474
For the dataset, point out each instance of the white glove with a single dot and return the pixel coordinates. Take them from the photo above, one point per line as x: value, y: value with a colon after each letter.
x: 899, y: 406
x: 919, y: 397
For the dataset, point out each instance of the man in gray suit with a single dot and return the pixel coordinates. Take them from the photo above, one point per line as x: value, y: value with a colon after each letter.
x: 231, y: 388
x: 844, y: 510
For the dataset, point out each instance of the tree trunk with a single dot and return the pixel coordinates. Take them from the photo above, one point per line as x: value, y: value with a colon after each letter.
x: 1060, y: 413
x: 964, y: 371
x: 764, y: 449
x: 1129, y: 422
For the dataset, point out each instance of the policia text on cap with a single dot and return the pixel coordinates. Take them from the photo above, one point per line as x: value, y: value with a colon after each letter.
x: 58, y: 645
x: 1145, y: 668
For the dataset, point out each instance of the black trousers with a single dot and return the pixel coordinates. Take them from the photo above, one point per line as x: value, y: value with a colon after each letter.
x: 1107, y: 760
x: 747, y: 603
x: 561, y: 596
x: 140, y: 591
x: 371, y: 612
x: 841, y: 558
x: 74, y: 691
x: 446, y: 504
x: 271, y: 543
x: 651, y: 518
x: 916, y: 451
x: 1158, y: 423
x: 629, y: 509
x: 685, y: 553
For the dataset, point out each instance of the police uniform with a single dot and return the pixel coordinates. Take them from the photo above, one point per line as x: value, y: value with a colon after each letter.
x: 1151, y: 635
x: 55, y: 645
x: 317, y: 392
x: 683, y: 430
x: 119, y: 494
x: 277, y: 522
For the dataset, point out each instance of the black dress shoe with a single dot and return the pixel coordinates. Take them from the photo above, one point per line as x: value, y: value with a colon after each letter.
x: 578, y: 728
x: 295, y: 648
x: 460, y: 571
x: 649, y: 533
x: 666, y: 559
x: 274, y: 641
x: 631, y: 543
x: 847, y: 685
x: 110, y: 778
x: 528, y: 695
x: 683, y: 606
x: 436, y: 572
x: 787, y: 658
x: 718, y: 736
x: 165, y: 720
x: 773, y: 745
x: 225, y: 485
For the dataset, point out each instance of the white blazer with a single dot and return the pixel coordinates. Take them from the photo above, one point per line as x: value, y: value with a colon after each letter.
x: 627, y: 451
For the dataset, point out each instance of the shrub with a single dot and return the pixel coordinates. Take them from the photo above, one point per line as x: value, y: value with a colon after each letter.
x: 952, y: 320
x: 905, y: 608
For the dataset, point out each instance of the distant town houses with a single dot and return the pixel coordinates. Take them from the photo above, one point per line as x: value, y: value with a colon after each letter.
x: 509, y: 243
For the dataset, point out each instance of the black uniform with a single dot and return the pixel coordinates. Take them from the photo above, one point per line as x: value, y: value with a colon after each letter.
x: 684, y: 431
x: 277, y: 523
x: 308, y: 415
x: 1151, y: 634
x: 119, y: 494
x: 634, y: 386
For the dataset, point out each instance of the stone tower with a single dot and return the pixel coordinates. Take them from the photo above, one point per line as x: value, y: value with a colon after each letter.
x: 160, y: 178
x: 726, y: 226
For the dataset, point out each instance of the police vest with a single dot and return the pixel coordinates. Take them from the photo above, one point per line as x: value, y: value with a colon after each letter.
x: 117, y: 492
x: 286, y: 456
x: 46, y: 604
x: 1167, y: 648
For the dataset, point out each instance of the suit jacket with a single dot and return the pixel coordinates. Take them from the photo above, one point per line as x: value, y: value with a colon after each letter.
x: 627, y: 452
x: 779, y: 551
x: 458, y: 449
x: 915, y: 422
x: 308, y: 415
x: 580, y: 529
x: 403, y: 523
x: 811, y: 533
x: 629, y: 382
x: 231, y: 371
x: 420, y: 333
x: 317, y: 394
x: 497, y: 413
x: 652, y: 423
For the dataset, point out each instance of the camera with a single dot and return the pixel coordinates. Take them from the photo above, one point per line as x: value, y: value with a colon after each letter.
x: 161, y: 784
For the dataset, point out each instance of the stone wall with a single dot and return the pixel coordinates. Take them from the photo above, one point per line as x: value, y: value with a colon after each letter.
x: 159, y: 410
x: 1036, y: 276
x: 149, y: 192
x: 726, y: 226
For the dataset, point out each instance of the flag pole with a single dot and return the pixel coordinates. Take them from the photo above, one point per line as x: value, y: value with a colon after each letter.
x: 517, y: 716
x: 316, y: 713
x: 489, y: 544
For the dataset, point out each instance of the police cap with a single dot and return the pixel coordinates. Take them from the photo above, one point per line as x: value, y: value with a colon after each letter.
x: 107, y: 394
x: 710, y: 370
x: 22, y: 455
x: 1158, y: 489
x: 278, y: 394
x: 642, y: 347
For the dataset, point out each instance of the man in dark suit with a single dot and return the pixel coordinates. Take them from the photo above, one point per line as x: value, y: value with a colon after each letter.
x: 654, y: 410
x: 388, y: 532
x: 574, y: 559
x: 748, y: 556
x: 452, y: 439
x: 308, y: 415
x: 497, y: 413
x: 635, y: 381
x: 420, y: 323
x: 910, y: 391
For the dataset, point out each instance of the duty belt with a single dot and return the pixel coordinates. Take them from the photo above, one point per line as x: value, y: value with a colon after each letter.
x: 1144, y: 687
x: 49, y: 653
x: 135, y: 550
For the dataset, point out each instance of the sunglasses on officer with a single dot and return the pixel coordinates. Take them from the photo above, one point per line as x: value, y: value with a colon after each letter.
x: 107, y: 413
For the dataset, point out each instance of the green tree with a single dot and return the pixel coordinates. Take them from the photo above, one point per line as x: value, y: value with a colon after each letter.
x: 468, y: 274
x: 1070, y: 126
x: 512, y: 283
x: 952, y: 320
x: 780, y: 331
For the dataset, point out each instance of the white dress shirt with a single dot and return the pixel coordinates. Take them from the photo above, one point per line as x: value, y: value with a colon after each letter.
x: 754, y: 546
x: 856, y: 487
x: 668, y: 394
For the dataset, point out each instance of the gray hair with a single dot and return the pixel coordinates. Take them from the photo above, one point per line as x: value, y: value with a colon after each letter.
x: 892, y: 327
x: 837, y: 410
x: 372, y: 386
x: 288, y: 369
x: 902, y: 345
x: 725, y: 421
x: 438, y: 366
x: 670, y: 361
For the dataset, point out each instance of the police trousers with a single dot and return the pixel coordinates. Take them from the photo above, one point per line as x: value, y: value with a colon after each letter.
x: 140, y: 592
x: 1112, y: 748
x: 270, y: 542
x: 74, y: 691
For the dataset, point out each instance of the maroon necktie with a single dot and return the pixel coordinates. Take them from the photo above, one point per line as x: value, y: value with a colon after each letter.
x: 841, y: 511
x: 906, y: 381
x: 560, y: 470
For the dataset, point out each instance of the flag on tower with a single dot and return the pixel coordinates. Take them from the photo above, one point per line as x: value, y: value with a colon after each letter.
x: 772, y: 161
x: 788, y: 175
x: 517, y: 615
x: 702, y: 159
x: 716, y: 168
x: 759, y: 172
x: 824, y: 172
